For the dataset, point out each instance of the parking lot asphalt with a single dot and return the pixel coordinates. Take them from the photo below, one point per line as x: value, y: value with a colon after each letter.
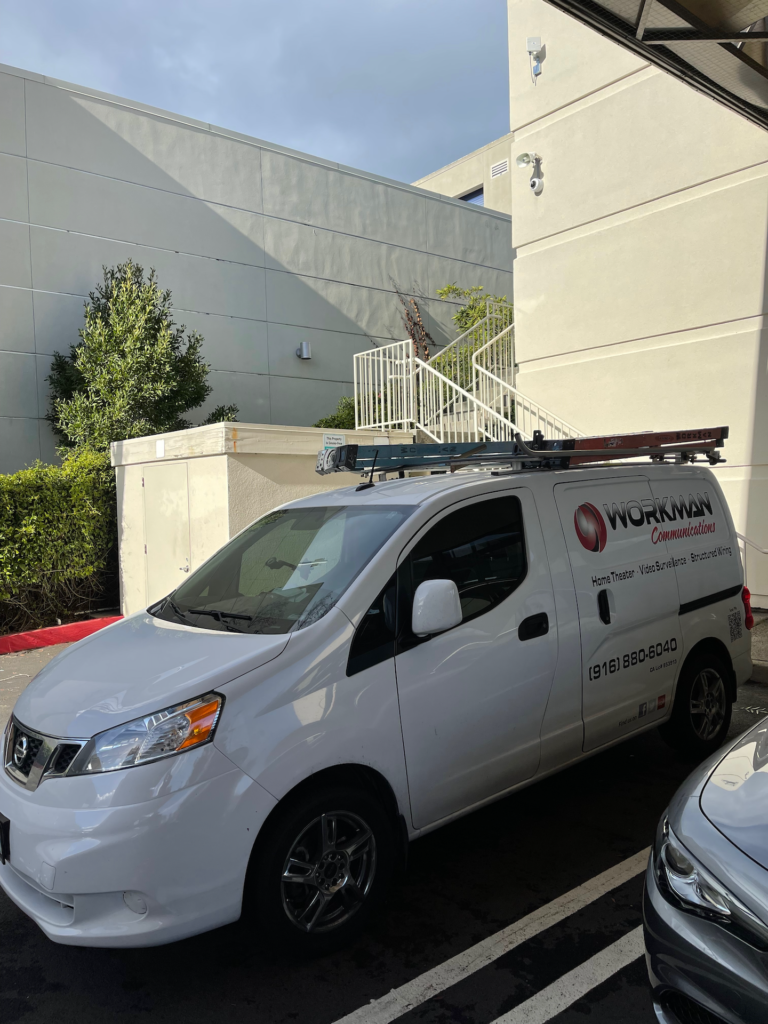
x: 525, y: 911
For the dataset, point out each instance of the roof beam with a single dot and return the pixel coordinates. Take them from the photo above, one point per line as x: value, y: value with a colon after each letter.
x: 664, y: 36
x: 703, y: 29
x: 642, y: 18
x: 622, y: 31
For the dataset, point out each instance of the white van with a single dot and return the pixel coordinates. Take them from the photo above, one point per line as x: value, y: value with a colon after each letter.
x: 352, y: 671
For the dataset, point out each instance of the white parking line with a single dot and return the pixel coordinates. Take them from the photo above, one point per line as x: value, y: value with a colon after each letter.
x: 438, y: 979
x: 576, y: 983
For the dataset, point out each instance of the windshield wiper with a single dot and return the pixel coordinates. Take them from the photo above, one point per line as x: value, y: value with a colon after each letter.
x: 220, y: 616
x: 179, y: 612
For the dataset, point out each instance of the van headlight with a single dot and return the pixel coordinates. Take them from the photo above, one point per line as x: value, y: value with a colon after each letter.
x: 163, y: 734
x: 686, y: 884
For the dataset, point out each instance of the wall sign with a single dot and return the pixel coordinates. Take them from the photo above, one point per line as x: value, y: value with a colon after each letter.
x: 334, y: 440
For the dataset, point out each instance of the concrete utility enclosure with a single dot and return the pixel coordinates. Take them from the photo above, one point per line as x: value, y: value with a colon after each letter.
x: 181, y: 495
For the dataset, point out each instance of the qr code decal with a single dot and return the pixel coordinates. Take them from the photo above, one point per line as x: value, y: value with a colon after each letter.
x: 734, y: 625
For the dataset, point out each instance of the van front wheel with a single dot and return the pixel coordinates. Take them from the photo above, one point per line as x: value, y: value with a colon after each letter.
x: 322, y: 869
x: 701, y: 715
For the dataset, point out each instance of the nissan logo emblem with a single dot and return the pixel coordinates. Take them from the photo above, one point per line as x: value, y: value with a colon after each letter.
x: 20, y: 751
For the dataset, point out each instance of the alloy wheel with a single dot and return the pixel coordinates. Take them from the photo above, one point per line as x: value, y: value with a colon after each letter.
x: 328, y: 872
x: 708, y: 703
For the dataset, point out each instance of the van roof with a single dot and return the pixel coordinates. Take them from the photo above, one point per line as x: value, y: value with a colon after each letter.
x: 416, y: 490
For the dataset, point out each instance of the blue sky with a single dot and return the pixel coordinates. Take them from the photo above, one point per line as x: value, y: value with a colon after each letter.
x: 397, y: 87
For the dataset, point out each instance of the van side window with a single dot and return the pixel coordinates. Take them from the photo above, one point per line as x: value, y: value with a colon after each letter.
x: 481, y: 547
x: 374, y: 639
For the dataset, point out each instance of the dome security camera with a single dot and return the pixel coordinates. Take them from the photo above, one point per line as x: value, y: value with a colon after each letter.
x: 532, y: 160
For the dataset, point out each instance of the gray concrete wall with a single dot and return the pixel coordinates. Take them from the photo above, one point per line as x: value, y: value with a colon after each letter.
x: 261, y: 246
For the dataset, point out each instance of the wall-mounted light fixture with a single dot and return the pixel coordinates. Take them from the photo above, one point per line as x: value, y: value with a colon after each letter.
x: 304, y: 351
x: 532, y: 160
x: 526, y: 159
x: 536, y: 54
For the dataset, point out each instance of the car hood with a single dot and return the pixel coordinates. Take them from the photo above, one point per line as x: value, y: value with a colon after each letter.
x: 735, y: 797
x: 133, y: 668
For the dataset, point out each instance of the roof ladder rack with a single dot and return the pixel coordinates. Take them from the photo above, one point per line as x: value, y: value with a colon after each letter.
x: 674, y: 446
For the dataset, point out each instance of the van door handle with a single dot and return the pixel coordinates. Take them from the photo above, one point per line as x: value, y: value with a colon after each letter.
x: 533, y: 626
x: 603, y: 607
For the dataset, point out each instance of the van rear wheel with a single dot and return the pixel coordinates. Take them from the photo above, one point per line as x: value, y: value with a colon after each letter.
x: 321, y: 870
x: 701, y: 714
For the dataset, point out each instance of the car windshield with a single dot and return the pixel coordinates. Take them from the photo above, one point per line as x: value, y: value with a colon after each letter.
x: 283, y: 572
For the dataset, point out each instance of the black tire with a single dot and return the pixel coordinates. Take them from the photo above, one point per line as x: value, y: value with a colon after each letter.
x: 701, y: 714
x: 346, y: 882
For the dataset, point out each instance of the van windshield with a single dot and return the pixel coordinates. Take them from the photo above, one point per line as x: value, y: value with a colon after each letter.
x: 283, y: 572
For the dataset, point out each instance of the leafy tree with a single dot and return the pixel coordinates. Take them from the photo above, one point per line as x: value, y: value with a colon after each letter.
x: 133, y: 372
x: 474, y: 308
x: 456, y: 363
x: 343, y: 418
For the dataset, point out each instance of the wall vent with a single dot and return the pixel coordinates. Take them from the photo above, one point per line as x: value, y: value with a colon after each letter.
x: 500, y: 168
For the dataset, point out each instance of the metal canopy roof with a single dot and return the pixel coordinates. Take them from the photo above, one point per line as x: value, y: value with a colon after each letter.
x: 720, y: 47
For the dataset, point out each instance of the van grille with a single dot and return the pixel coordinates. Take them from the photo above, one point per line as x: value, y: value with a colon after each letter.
x: 21, y: 740
x: 66, y: 755
x: 29, y: 756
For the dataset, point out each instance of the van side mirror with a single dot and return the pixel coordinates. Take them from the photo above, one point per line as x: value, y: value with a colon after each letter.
x: 436, y: 607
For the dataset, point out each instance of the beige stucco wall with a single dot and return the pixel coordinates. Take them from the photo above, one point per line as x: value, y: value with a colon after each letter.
x: 257, y: 483
x: 640, y: 271
x: 473, y: 170
x: 235, y: 473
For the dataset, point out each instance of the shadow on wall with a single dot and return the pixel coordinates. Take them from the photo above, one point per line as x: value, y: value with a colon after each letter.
x: 756, y: 491
x: 254, y: 285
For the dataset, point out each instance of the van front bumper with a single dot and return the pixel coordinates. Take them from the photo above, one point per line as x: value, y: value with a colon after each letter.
x: 137, y: 857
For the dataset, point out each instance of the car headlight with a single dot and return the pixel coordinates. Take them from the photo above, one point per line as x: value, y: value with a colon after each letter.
x: 686, y: 884
x: 147, y: 739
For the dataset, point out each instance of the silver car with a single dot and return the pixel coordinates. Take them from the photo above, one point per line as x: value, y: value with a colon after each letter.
x: 706, y: 894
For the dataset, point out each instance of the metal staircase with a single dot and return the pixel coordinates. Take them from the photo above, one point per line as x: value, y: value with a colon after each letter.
x: 466, y: 392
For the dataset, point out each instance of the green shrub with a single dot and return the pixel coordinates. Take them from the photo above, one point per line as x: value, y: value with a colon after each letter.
x: 57, y: 541
x: 133, y: 372
x: 342, y: 419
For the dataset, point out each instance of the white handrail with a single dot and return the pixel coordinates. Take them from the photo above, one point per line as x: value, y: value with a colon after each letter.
x: 746, y: 541
x: 493, y: 390
x: 763, y: 551
x: 493, y: 310
x: 384, y: 387
x: 435, y: 418
x: 396, y: 388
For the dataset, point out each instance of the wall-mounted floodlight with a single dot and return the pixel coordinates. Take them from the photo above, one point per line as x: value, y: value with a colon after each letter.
x: 536, y: 54
x: 532, y: 160
x: 304, y: 351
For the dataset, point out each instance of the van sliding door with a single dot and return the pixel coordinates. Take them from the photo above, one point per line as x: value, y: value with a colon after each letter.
x: 628, y: 603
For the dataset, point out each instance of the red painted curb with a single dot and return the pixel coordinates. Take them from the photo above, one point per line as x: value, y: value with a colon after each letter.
x: 53, y: 635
